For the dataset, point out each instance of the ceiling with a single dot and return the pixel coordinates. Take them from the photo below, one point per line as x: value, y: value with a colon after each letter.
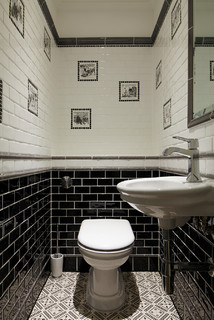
x: 104, y: 18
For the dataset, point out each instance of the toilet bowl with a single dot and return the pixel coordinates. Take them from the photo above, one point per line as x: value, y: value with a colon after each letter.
x: 105, y: 244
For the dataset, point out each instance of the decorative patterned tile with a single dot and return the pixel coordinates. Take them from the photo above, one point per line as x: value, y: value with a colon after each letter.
x: 64, y: 299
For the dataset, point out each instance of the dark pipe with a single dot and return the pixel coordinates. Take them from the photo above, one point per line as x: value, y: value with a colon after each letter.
x: 169, y: 266
x: 167, y: 270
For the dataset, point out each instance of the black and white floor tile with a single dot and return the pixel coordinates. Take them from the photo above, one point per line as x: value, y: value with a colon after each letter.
x: 64, y: 299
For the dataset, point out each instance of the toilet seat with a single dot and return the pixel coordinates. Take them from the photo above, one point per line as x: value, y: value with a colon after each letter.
x: 105, y: 235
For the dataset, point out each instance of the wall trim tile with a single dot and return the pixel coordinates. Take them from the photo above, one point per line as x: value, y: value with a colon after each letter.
x: 105, y: 41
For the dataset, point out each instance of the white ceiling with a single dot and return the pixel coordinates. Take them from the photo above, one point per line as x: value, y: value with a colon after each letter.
x: 105, y: 18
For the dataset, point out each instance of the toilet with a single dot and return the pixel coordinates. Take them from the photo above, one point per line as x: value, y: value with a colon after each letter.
x: 105, y: 244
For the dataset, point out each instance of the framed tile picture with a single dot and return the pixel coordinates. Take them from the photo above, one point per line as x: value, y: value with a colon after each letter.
x: 175, y: 18
x: 87, y: 70
x: 158, y: 75
x: 17, y: 14
x: 47, y: 44
x: 80, y: 118
x: 167, y: 114
x: 129, y: 91
x: 32, y: 98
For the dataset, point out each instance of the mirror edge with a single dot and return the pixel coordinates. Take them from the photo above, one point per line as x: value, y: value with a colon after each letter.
x: 192, y: 122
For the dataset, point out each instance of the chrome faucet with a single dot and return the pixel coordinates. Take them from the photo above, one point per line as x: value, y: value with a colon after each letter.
x: 192, y: 153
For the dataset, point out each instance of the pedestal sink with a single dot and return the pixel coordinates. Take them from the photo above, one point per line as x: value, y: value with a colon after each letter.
x: 172, y: 200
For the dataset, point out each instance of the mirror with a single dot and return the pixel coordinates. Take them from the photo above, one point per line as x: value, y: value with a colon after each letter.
x: 201, y: 62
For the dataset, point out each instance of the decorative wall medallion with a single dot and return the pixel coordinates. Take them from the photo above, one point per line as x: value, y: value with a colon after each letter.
x: 1, y: 92
x: 129, y: 91
x: 87, y: 70
x: 211, y: 70
x: 175, y: 18
x: 17, y: 13
x: 167, y: 114
x: 80, y: 118
x: 32, y: 98
x: 47, y: 44
x: 158, y: 74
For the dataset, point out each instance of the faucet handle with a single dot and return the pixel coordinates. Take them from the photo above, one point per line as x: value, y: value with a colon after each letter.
x: 192, y: 143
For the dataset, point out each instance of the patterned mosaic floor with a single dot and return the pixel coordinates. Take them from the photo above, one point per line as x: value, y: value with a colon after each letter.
x: 64, y: 299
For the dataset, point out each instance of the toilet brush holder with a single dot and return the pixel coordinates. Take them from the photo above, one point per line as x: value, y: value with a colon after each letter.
x: 56, y: 264
x: 57, y: 259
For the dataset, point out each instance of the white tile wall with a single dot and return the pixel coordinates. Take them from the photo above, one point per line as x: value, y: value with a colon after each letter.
x: 118, y: 128
x: 174, y: 56
x: 22, y: 59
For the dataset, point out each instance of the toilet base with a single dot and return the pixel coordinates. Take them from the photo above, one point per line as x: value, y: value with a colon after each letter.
x: 105, y: 290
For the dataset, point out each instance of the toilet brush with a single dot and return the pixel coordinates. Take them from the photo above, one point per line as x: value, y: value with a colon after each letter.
x: 57, y: 239
x: 57, y: 258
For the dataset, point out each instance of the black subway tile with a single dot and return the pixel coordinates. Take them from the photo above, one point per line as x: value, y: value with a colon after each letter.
x: 74, y: 197
x: 82, y: 189
x: 90, y: 197
x: 105, y: 213
x: 89, y: 182
x: 97, y: 174
x: 111, y: 189
x: 69, y: 173
x: 105, y: 197
x: 98, y: 189
x: 97, y: 204
x: 112, y: 205
x: 82, y: 174
x: 113, y: 174
x: 144, y: 174
x: 82, y: 205
x: 89, y: 212
x: 4, y: 186
x: 14, y: 184
x: 67, y: 204
x: 129, y: 174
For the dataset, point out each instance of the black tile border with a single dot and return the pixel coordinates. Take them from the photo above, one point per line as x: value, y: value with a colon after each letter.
x: 204, y: 42
x: 105, y: 41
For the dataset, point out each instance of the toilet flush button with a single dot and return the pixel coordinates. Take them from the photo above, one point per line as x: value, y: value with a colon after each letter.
x: 106, y: 234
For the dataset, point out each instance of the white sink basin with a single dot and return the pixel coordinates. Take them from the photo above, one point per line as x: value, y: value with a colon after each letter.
x: 170, y: 199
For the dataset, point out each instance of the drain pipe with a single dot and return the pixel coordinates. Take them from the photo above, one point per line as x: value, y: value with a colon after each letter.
x: 167, y: 270
x: 169, y: 266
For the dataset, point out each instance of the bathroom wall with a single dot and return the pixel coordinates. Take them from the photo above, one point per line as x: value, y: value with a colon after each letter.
x: 117, y: 127
x: 94, y: 195
x: 24, y: 242
x: 127, y: 134
x: 173, y: 53
x: 22, y: 59
x: 194, y: 291
x: 25, y: 145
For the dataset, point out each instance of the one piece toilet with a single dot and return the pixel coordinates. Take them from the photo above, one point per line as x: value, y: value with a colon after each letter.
x: 105, y: 245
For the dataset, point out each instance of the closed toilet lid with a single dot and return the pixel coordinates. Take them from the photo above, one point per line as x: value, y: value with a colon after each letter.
x: 106, y: 234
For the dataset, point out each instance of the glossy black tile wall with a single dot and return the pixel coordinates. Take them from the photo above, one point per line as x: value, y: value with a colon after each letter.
x: 24, y: 242
x: 194, y: 291
x: 94, y: 195
x: 25, y: 237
